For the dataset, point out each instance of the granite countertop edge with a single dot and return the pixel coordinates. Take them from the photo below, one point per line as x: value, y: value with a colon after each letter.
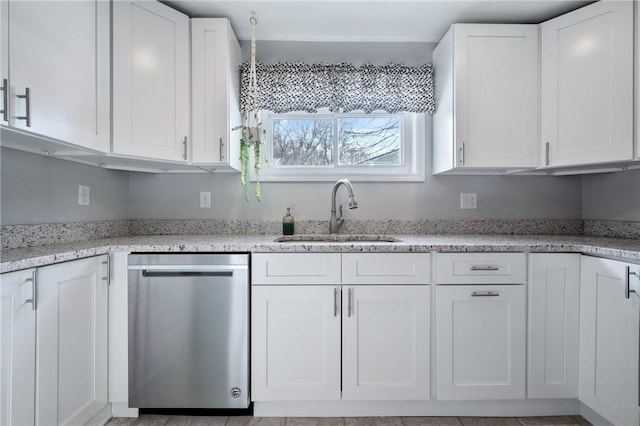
x: 30, y: 257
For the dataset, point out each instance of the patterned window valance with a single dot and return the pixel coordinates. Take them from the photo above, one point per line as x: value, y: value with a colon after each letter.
x: 286, y: 87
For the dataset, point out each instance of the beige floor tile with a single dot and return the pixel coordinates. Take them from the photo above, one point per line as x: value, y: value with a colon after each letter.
x: 255, y: 421
x: 122, y: 421
x: 373, y: 421
x: 197, y: 420
x: 581, y: 421
x: 315, y: 421
x: 549, y: 420
x: 490, y: 421
x: 152, y: 420
x: 430, y: 421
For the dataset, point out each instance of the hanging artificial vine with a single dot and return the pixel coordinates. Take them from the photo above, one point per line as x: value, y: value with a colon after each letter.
x: 253, y: 135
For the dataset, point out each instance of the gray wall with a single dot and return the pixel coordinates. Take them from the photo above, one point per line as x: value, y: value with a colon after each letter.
x: 499, y: 197
x: 611, y: 196
x: 38, y: 189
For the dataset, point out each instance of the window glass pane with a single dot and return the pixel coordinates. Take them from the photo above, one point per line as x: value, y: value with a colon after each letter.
x: 369, y: 140
x: 302, y: 142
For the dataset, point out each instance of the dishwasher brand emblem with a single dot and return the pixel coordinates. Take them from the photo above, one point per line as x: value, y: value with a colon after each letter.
x: 236, y: 392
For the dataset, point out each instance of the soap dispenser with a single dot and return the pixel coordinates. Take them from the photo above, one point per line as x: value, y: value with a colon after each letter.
x: 287, y: 223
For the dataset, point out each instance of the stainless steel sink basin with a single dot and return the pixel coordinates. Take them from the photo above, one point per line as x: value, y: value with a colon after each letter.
x: 333, y: 238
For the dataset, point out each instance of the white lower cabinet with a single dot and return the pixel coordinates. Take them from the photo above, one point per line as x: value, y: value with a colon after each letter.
x: 553, y: 331
x: 18, y: 342
x: 54, y: 344
x: 385, y: 342
x: 71, y: 341
x: 609, y: 342
x: 295, y: 343
x: 327, y: 341
x: 480, y: 342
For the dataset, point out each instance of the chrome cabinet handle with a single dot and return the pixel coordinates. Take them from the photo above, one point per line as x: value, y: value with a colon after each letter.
x: 485, y: 268
x: 184, y: 152
x: 461, y: 150
x: 627, y: 282
x: 485, y: 294
x: 350, y: 303
x: 221, y: 150
x: 5, y: 100
x: 34, y: 291
x: 335, y: 301
x: 108, y: 263
x: 27, y: 98
x: 548, y: 148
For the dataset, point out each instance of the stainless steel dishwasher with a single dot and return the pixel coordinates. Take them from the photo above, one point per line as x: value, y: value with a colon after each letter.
x: 188, y: 330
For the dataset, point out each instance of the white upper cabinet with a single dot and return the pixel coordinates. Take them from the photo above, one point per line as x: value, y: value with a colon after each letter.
x: 215, y: 93
x: 587, y: 85
x: 150, y: 81
x: 486, y: 82
x: 56, y: 66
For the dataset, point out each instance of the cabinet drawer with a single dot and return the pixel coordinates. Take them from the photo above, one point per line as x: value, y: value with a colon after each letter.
x: 481, y: 268
x: 386, y: 268
x: 295, y: 268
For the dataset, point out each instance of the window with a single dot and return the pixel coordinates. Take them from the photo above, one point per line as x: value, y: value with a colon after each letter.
x: 326, y: 146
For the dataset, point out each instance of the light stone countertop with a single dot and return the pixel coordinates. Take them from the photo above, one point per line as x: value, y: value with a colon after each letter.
x: 23, y: 258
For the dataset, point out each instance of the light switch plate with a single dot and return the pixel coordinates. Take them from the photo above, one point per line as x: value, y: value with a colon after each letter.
x: 468, y: 200
x: 205, y: 200
x: 84, y: 195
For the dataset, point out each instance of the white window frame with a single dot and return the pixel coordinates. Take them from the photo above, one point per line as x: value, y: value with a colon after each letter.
x: 412, y: 168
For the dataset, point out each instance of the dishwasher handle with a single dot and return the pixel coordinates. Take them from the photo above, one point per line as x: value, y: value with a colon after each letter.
x: 185, y: 273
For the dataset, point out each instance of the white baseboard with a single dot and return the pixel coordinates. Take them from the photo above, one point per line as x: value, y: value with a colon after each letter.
x: 121, y: 409
x: 503, y: 408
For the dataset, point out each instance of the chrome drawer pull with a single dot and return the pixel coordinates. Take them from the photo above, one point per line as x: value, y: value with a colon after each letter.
x: 5, y: 99
x: 34, y: 290
x: 485, y: 268
x: 27, y: 98
x: 485, y: 294
x: 627, y: 279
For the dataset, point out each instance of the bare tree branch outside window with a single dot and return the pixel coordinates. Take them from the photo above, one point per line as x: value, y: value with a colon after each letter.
x: 361, y: 140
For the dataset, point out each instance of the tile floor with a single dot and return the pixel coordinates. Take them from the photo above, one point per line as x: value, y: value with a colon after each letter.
x: 157, y: 420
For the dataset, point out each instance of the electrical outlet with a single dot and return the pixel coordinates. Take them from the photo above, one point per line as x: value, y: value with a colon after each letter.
x: 205, y: 200
x: 84, y: 195
x: 469, y: 200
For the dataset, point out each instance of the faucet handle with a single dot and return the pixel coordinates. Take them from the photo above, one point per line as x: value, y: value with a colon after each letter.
x: 340, y: 219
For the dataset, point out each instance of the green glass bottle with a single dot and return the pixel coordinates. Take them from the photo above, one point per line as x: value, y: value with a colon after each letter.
x: 287, y: 223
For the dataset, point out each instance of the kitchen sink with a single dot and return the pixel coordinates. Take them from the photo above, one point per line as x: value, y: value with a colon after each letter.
x: 334, y: 238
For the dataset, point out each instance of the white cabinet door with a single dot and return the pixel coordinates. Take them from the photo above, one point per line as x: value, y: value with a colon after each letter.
x: 609, y: 324
x: 637, y: 81
x: 487, y: 92
x: 215, y: 93
x: 385, y: 342
x: 554, y: 299
x: 480, y: 342
x: 18, y: 342
x: 71, y: 343
x: 150, y: 80
x: 587, y: 85
x: 59, y: 52
x: 4, y: 62
x: 295, y: 341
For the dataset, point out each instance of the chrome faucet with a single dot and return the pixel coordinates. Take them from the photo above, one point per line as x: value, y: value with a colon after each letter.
x: 336, y: 222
